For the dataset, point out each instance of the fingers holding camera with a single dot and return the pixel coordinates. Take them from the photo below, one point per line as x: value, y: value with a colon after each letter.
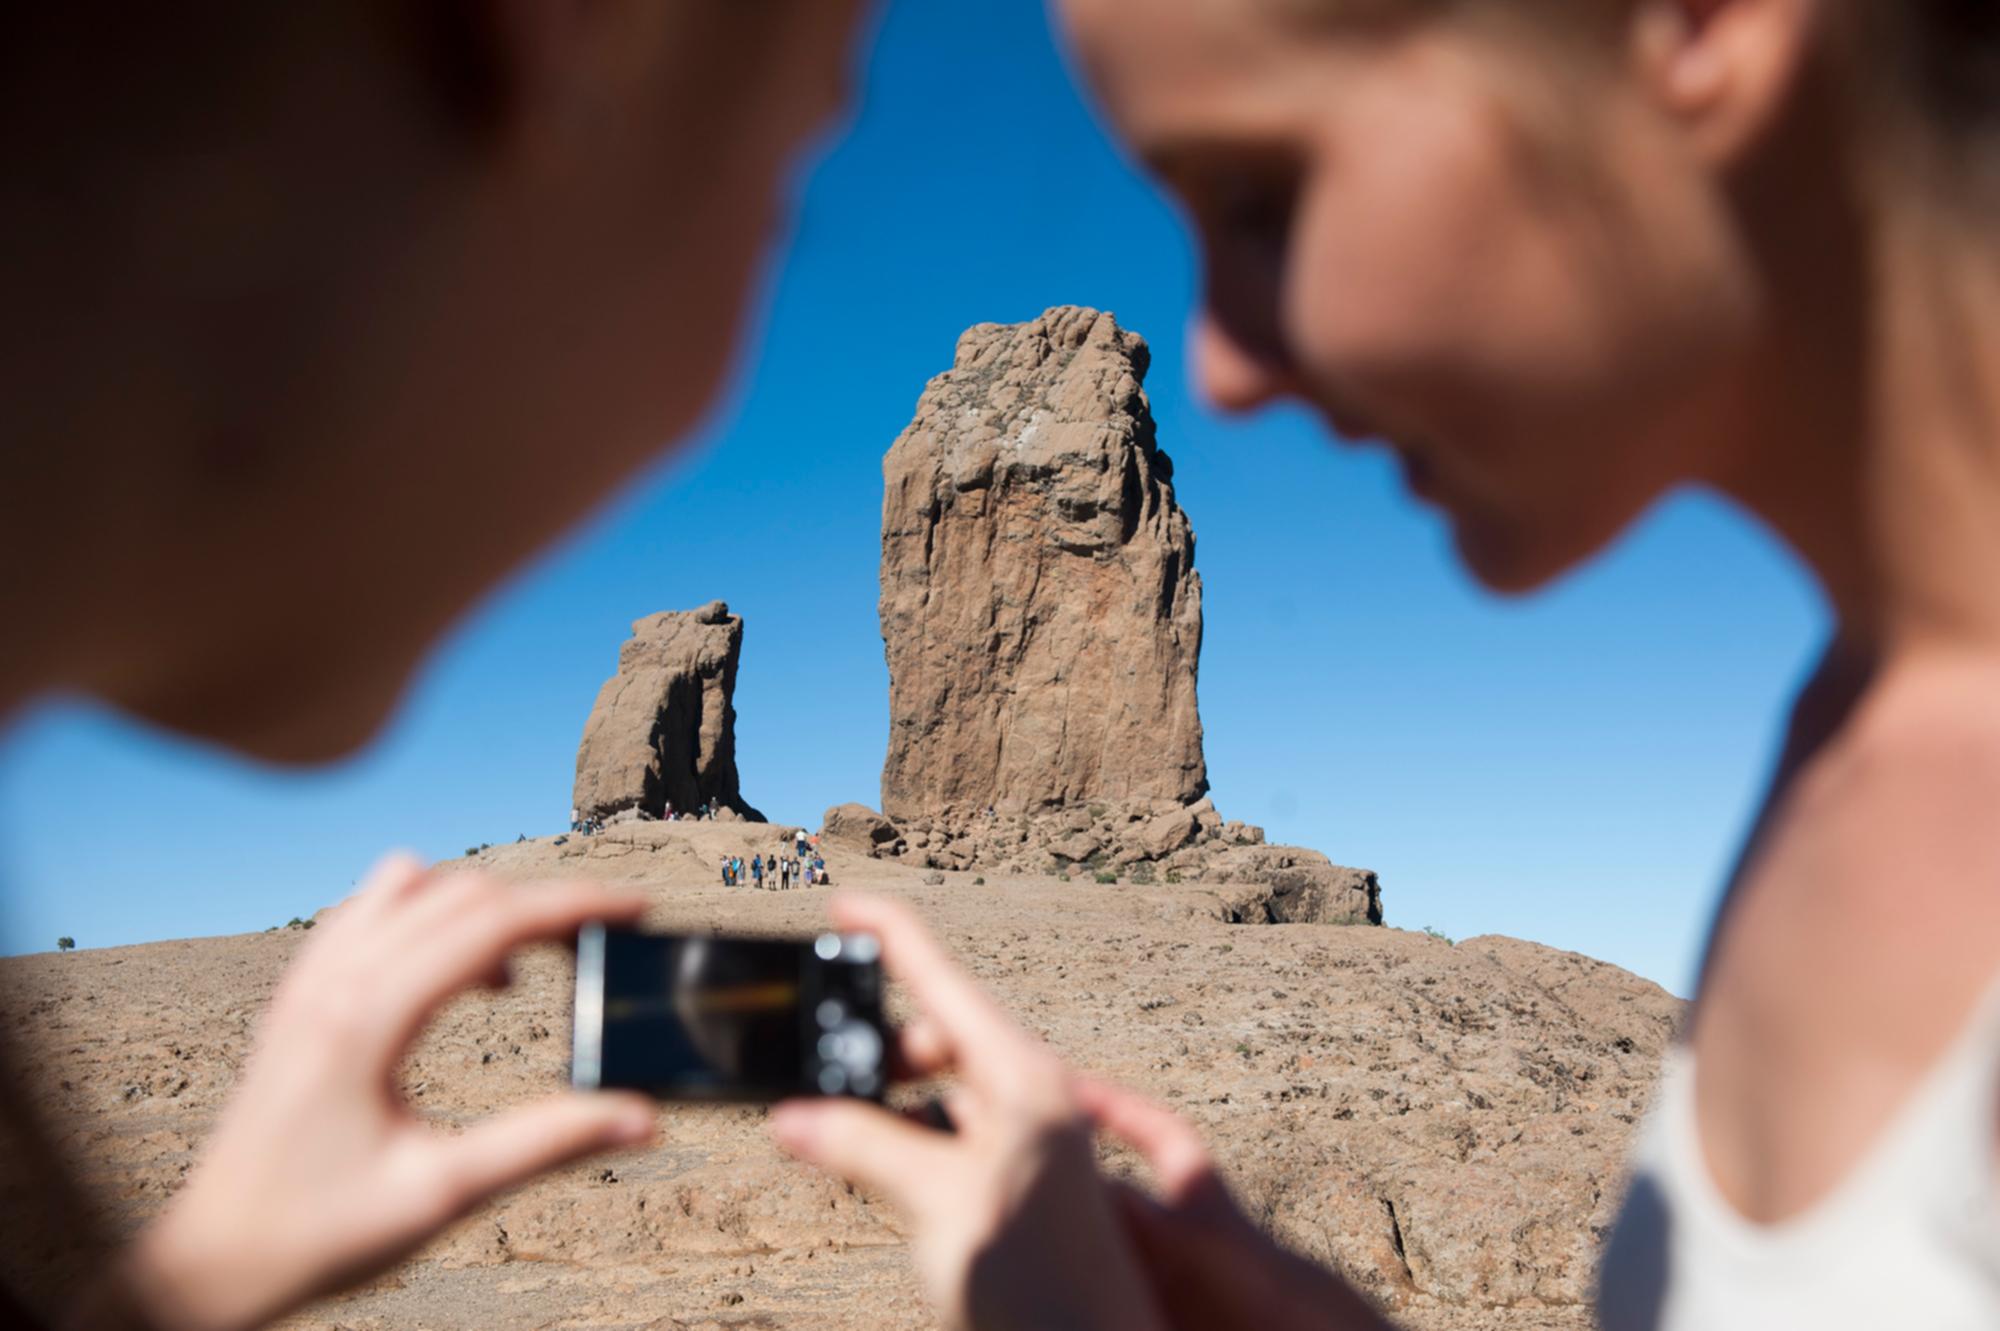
x: 408, y: 943
x: 464, y: 935
x: 958, y: 1015
x: 1013, y: 1225
x: 318, y: 1172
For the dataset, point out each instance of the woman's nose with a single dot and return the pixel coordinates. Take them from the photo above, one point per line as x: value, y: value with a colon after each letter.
x: 1231, y: 377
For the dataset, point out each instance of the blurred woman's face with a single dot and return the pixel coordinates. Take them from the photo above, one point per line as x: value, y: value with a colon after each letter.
x: 1487, y: 251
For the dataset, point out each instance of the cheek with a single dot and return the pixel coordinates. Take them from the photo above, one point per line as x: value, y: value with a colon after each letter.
x: 1526, y: 339
x: 1426, y: 271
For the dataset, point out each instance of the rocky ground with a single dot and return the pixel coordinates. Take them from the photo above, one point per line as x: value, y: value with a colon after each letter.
x: 1141, y: 842
x: 1443, y: 1123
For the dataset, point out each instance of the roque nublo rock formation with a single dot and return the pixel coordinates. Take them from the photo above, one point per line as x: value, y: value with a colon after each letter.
x: 664, y: 727
x: 1040, y: 608
x: 1041, y: 615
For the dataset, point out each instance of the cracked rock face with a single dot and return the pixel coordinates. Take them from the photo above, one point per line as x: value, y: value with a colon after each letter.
x: 1040, y: 609
x: 664, y: 727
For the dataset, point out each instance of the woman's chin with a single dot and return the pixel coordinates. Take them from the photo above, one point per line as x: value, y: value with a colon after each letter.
x: 1506, y: 560
x: 299, y: 718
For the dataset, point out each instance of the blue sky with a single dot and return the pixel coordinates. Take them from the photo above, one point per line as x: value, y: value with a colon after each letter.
x: 1574, y: 768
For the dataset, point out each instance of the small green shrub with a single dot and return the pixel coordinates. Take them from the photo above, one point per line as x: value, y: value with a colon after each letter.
x: 1173, y: 875
x: 979, y: 882
x: 1440, y: 935
x: 1062, y: 877
x: 471, y: 851
x: 65, y: 944
x: 1243, y: 1049
x: 1107, y: 878
x: 1097, y: 811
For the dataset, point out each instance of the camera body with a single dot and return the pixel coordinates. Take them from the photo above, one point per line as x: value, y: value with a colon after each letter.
x: 692, y: 1017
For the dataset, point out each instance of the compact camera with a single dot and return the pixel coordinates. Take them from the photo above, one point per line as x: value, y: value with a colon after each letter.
x: 687, y: 1017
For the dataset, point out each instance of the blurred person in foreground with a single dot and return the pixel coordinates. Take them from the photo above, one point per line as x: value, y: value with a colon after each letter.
x: 1564, y: 257
x: 322, y: 316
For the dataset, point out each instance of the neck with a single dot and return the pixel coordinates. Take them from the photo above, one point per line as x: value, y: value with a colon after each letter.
x: 1931, y: 480
x: 1880, y: 457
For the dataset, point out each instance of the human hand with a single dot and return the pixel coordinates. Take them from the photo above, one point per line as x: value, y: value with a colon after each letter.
x: 1013, y: 1225
x: 319, y: 1174
x: 1212, y: 1268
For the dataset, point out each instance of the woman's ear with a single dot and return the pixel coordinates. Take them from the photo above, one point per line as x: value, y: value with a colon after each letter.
x: 1722, y: 69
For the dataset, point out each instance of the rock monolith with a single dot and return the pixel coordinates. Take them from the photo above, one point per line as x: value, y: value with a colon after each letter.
x: 1040, y: 609
x: 663, y: 731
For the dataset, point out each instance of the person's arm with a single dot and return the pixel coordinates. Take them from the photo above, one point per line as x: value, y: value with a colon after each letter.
x: 1014, y: 1227
x: 319, y: 1175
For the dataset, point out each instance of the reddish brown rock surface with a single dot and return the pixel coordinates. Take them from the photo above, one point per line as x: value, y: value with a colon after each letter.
x: 664, y: 727
x: 1040, y: 608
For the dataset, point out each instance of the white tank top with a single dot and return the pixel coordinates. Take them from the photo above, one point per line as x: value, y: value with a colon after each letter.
x: 1910, y: 1238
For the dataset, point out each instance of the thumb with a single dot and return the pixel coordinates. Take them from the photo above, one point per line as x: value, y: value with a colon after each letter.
x: 517, y: 1145
x: 863, y: 1144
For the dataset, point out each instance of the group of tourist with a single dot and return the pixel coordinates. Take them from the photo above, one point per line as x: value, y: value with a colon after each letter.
x: 589, y: 824
x: 780, y: 872
x: 803, y: 867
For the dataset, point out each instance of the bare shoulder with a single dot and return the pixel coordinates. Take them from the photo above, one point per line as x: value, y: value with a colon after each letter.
x: 1885, y: 854
x: 1911, y: 789
x: 1864, y: 931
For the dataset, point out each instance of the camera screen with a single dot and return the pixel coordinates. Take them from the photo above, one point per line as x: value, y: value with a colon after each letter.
x: 728, y: 1019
